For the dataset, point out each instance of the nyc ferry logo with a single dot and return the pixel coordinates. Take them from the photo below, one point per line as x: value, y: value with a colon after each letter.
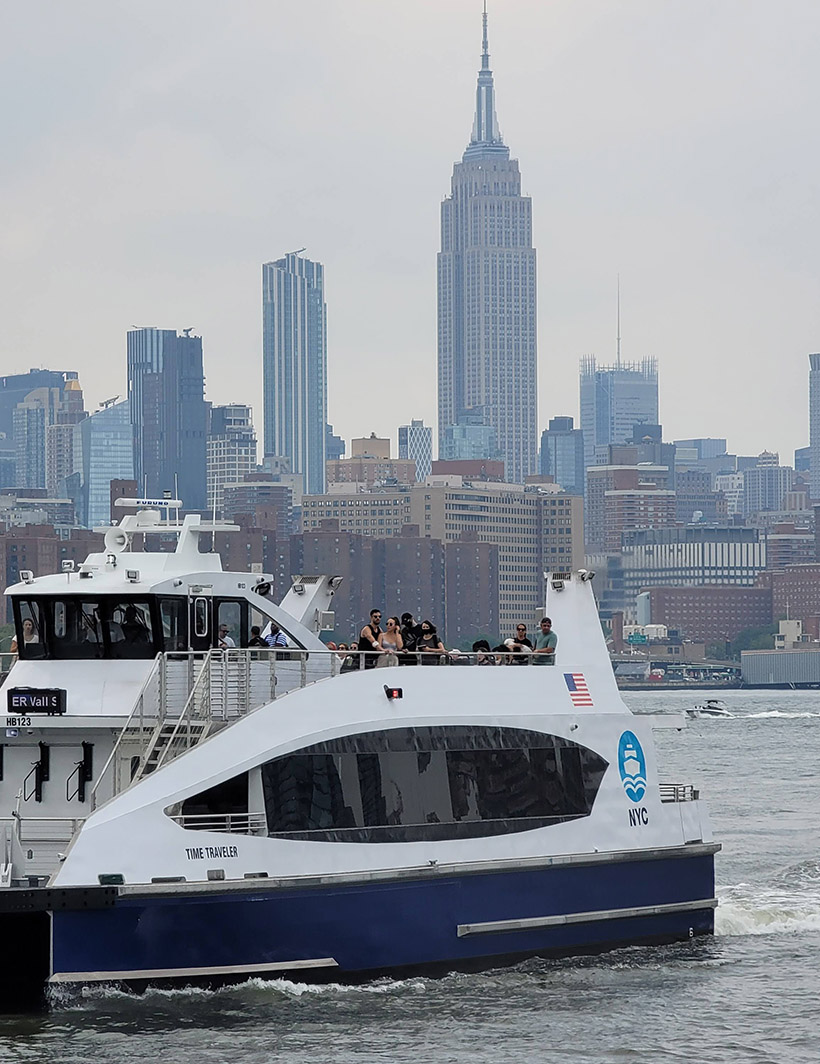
x: 632, y: 765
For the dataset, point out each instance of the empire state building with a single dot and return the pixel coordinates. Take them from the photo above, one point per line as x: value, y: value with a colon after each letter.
x: 487, y: 373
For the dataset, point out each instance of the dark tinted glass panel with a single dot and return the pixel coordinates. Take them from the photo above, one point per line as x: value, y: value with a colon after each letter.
x: 129, y: 629
x: 228, y: 797
x: 173, y: 614
x: 73, y: 627
x: 29, y: 629
x: 429, y: 783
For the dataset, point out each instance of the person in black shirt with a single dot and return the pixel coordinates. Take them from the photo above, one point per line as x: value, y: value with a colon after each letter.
x: 429, y: 645
x: 369, y: 639
x: 256, y: 639
x: 517, y: 644
x: 410, y: 632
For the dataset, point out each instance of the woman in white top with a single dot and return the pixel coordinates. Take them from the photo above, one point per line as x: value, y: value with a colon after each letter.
x: 391, y: 642
x: 29, y: 635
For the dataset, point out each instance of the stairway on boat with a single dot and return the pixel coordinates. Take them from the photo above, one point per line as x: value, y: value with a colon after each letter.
x: 187, y: 696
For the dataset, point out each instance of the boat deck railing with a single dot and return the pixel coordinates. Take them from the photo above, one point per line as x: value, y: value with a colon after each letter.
x: 32, y: 846
x: 232, y: 823
x: 679, y: 792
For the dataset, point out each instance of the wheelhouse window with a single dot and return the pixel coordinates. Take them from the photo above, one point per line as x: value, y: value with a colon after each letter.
x: 230, y: 613
x: 418, y: 784
x: 29, y: 629
x: 74, y: 627
x: 173, y: 614
x: 130, y: 631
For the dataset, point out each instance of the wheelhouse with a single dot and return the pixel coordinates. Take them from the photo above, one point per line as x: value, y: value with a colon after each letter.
x: 110, y: 626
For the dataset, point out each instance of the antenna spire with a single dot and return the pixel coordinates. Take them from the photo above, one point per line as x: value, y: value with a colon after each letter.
x: 486, y: 137
x: 618, y: 331
x: 485, y: 46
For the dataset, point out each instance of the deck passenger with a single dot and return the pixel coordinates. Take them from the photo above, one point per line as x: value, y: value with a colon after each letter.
x: 545, y: 643
x: 369, y: 640
x: 275, y: 638
x: 256, y: 639
x: 410, y: 632
x: 391, y: 643
x: 429, y: 645
x: 481, y: 649
x: 520, y: 645
x: 225, y: 641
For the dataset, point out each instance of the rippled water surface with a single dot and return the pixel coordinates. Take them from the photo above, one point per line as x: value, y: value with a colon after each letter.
x: 748, y: 994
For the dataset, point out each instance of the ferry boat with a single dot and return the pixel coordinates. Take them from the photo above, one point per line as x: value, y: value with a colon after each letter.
x: 189, y: 813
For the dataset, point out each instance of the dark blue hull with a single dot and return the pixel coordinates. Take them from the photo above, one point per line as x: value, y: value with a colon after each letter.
x: 357, y: 929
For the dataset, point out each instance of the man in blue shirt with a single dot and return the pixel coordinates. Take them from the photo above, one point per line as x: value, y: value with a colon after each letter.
x: 545, y: 643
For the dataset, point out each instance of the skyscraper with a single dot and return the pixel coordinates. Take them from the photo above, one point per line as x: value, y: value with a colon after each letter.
x: 294, y: 362
x: 486, y: 292
x: 166, y: 393
x: 42, y: 430
x: 614, y: 399
x: 231, y: 450
x: 814, y: 426
x: 562, y: 454
x: 416, y: 445
x: 104, y: 448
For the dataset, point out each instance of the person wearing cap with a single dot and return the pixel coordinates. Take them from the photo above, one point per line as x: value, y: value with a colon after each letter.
x: 225, y: 642
x: 410, y: 632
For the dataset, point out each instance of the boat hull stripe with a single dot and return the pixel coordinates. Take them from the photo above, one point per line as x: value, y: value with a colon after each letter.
x: 191, y: 973
x: 530, y: 923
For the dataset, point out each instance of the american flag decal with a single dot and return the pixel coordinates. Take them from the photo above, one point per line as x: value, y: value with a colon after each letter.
x: 578, y: 690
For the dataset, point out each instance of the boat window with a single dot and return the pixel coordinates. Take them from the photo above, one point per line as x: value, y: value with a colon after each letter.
x: 173, y: 614
x: 229, y: 613
x: 129, y: 628
x: 428, y: 784
x: 29, y: 629
x: 77, y: 628
x: 73, y: 627
x: 226, y: 798
x: 201, y: 617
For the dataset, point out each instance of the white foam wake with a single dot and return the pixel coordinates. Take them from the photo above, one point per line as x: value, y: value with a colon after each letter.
x: 744, y: 911
x: 780, y: 713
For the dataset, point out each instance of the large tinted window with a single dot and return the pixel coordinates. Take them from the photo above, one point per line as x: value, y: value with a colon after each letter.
x: 29, y: 629
x: 73, y: 627
x: 416, y: 784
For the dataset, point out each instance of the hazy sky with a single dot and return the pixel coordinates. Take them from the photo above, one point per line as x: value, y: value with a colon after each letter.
x: 154, y: 154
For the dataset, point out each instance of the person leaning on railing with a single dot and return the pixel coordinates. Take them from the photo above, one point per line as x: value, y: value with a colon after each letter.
x: 429, y: 645
x: 545, y: 643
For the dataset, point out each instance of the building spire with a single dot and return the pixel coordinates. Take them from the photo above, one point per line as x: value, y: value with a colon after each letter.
x: 486, y: 134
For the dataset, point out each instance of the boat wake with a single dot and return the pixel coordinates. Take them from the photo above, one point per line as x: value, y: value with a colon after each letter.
x: 73, y: 998
x: 791, y: 905
x: 781, y: 714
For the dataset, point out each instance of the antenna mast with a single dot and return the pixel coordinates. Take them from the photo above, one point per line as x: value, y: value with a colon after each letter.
x: 618, y: 330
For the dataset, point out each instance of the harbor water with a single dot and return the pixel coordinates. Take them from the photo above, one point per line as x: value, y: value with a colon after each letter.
x: 748, y: 994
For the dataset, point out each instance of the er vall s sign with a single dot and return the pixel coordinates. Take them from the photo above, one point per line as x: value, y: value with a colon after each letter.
x: 578, y: 690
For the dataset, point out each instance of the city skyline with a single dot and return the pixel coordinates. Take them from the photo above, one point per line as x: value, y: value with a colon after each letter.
x: 655, y: 185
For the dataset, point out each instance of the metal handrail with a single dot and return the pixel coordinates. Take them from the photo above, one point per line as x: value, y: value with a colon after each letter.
x: 678, y: 792
x: 231, y: 823
x: 138, y: 706
x: 186, y: 716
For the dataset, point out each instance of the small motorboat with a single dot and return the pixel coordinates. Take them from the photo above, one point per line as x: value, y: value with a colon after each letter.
x: 710, y: 707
